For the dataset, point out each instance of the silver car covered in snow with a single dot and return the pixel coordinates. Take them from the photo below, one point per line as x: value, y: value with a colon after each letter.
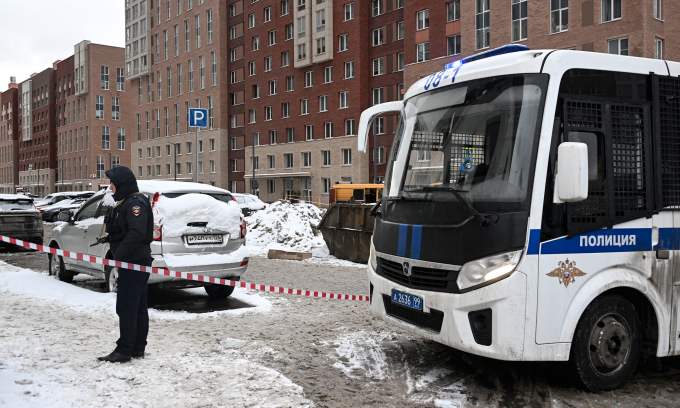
x: 197, y: 228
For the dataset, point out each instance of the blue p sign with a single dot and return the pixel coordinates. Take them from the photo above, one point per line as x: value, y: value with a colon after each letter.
x: 198, y: 117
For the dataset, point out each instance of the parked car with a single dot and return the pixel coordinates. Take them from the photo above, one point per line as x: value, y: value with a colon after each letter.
x: 249, y: 203
x: 54, y: 198
x: 183, y: 238
x: 51, y: 212
x: 20, y: 219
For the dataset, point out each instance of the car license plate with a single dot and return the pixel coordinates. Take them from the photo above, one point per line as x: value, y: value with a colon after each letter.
x: 400, y: 298
x: 204, y: 239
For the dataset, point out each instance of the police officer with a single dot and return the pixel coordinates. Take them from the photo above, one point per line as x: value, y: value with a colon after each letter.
x: 129, y: 227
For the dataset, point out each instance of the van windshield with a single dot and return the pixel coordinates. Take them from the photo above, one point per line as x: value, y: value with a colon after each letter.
x: 478, y: 138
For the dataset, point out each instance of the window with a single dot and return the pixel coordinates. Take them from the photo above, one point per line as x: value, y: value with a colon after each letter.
x: 377, y: 95
x: 290, y: 83
x: 658, y: 48
x: 99, y: 107
x: 342, y: 43
x: 252, y: 68
x: 290, y: 135
x: 272, y: 137
x: 400, y: 61
x: 323, y: 103
x: 378, y: 36
x: 320, y: 20
x: 328, y: 130
x: 559, y: 16
x: 232, y: 10
x: 309, y: 132
x: 423, y: 52
x: 256, y: 43
x: 267, y: 113
x: 349, y: 11
x: 611, y: 10
x: 139, y: 151
x: 210, y: 112
x: 422, y: 19
x: 378, y: 66
x: 165, y: 45
x: 285, y: 59
x: 214, y: 68
x: 115, y: 108
x: 302, y: 27
x: 618, y: 46
x: 251, y: 21
x: 519, y: 20
x: 309, y: 79
x: 452, y: 45
x: 105, y: 77
x: 344, y: 99
x: 120, y: 80
x: 400, y: 30
x: 267, y: 14
x: 349, y: 69
x: 285, y: 110
x: 256, y: 91
x: 289, y: 32
x: 252, y: 114
x: 306, y: 159
x: 202, y: 70
x: 400, y: 91
x: 267, y: 64
x: 453, y: 10
x: 198, y: 31
x: 256, y: 138
x: 169, y: 79
x: 106, y: 138
x: 346, y: 157
x: 302, y: 51
x: 326, y: 158
x: 272, y: 37
x: 304, y: 106
x: 657, y: 9
x: 212, y: 145
x: 349, y: 127
x: 328, y: 75
x: 121, y: 138
x: 234, y: 143
x: 160, y: 85
x: 379, y: 155
x: 379, y: 126
x: 321, y: 45
x: 377, y: 7
x: 186, y: 35
x: 288, y: 160
x: 284, y: 8
x: 272, y: 87
x: 271, y: 186
x: 176, y: 40
x: 326, y: 185
x: 210, y: 28
x: 191, y: 75
x: 482, y: 17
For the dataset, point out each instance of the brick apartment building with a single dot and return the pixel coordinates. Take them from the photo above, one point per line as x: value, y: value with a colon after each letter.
x: 93, y: 116
x: 9, y: 133
x: 37, y: 133
x: 182, y: 67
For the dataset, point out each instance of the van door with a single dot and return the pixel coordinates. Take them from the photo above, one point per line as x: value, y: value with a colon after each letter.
x: 673, y: 241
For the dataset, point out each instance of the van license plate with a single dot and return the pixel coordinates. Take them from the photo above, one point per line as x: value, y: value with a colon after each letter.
x: 400, y: 298
x: 204, y: 239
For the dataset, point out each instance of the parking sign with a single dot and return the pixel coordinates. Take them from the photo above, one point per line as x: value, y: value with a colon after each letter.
x: 198, y: 118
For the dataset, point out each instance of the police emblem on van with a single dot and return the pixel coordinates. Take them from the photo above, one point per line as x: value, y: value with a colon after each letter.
x: 567, y: 272
x: 407, y: 269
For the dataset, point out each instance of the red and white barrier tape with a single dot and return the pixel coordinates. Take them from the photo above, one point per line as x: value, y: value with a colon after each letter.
x: 182, y: 275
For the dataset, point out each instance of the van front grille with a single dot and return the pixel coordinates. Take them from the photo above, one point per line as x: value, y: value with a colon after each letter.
x: 437, y: 280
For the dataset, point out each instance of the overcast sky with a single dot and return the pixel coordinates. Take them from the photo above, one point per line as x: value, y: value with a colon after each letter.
x: 35, y: 33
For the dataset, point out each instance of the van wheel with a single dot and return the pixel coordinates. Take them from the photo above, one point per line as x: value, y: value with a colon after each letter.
x: 111, y: 279
x: 58, y: 269
x: 219, y: 291
x: 606, y: 345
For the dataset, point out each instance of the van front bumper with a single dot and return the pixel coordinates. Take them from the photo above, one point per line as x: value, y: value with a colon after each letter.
x: 505, y: 298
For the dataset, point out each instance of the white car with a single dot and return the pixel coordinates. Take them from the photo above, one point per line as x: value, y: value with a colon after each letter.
x: 249, y: 203
x: 197, y: 228
x: 54, y: 198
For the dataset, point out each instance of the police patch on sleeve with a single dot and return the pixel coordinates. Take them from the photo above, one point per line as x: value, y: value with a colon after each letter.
x: 136, y: 210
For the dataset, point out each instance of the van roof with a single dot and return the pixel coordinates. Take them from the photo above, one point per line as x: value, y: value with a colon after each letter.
x: 163, y: 186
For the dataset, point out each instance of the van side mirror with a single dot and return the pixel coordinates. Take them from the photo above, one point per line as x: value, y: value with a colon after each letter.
x: 571, y: 183
x: 367, y: 117
x: 64, y: 216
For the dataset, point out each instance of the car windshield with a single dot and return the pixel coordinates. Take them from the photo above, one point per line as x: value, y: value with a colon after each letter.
x: 217, y: 196
x: 477, y: 138
x: 6, y: 205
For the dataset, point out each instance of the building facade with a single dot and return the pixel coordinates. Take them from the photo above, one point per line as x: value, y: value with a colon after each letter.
x: 9, y: 143
x: 93, y: 118
x: 186, y: 65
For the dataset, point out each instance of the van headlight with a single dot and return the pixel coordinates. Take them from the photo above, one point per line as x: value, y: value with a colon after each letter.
x: 487, y: 270
x: 372, y: 257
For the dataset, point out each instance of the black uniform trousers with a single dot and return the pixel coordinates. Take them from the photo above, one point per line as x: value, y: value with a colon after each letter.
x: 132, y: 308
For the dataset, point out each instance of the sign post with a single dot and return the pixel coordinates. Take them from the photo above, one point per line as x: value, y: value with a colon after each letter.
x: 198, y: 118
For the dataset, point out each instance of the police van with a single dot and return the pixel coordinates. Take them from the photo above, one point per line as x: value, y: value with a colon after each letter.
x: 530, y: 210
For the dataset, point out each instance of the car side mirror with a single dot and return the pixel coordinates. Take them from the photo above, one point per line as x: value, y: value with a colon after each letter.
x: 571, y: 183
x: 64, y: 216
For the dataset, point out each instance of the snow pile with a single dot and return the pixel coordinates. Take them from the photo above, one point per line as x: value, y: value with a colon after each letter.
x: 176, y: 213
x: 285, y: 226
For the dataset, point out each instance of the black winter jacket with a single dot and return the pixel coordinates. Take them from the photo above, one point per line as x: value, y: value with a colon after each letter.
x: 129, y: 223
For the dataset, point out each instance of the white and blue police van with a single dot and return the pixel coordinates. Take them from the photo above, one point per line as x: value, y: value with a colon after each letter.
x: 530, y: 210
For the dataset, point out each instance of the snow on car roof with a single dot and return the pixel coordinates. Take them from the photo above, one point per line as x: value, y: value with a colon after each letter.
x: 162, y: 186
x: 14, y: 197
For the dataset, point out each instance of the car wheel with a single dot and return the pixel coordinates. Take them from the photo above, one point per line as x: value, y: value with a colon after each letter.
x: 112, y: 279
x: 606, y: 345
x: 55, y: 217
x: 219, y: 291
x: 58, y: 269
